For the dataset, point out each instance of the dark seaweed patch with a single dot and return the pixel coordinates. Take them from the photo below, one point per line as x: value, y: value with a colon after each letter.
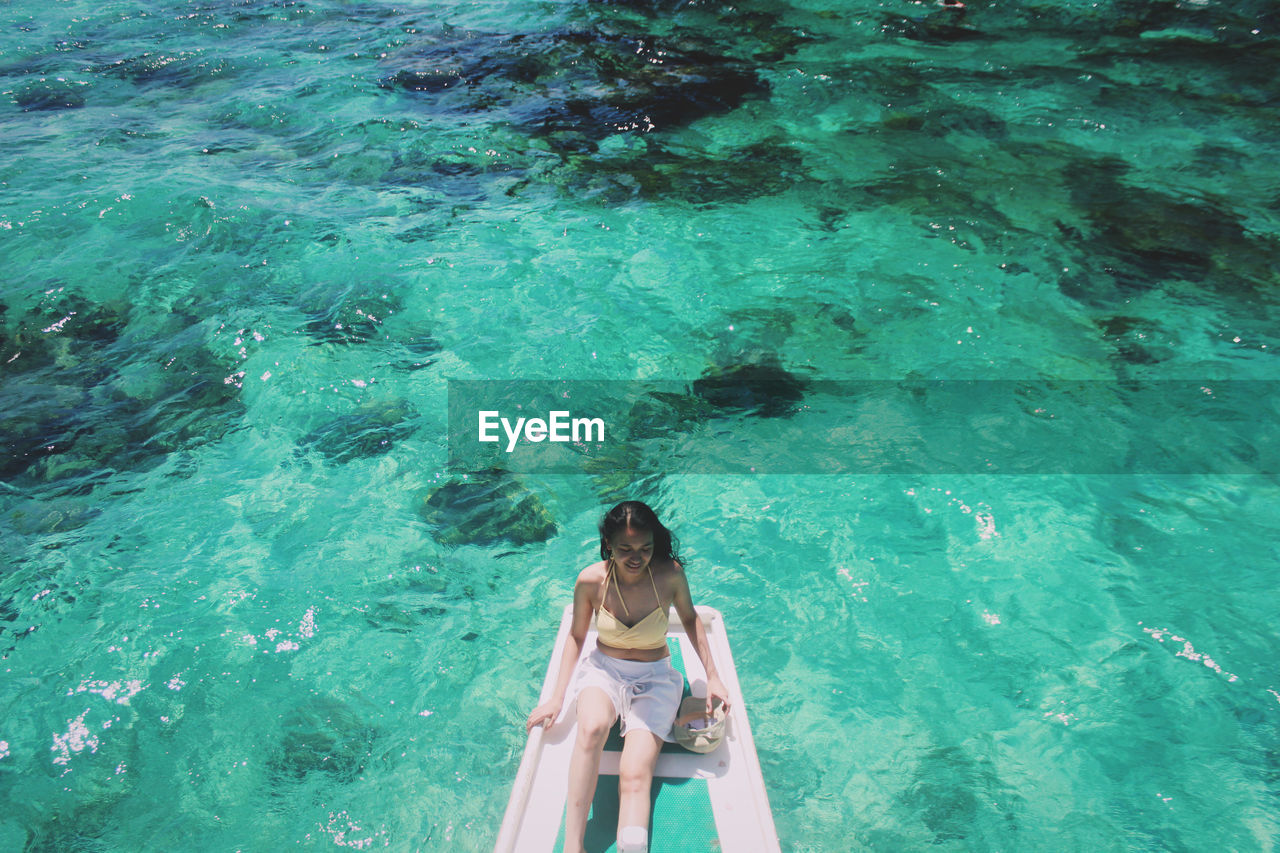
x: 41, y: 517
x: 940, y: 118
x: 761, y: 388
x: 1141, y: 238
x: 48, y: 94
x: 183, y: 69
x: 573, y: 88
x: 617, y: 72
x: 340, y: 314
x: 421, y: 350
x: 403, y: 614
x: 11, y: 623
x: 52, y: 359
x: 1136, y: 340
x: 659, y: 413
x: 948, y: 203
x: 487, y: 509
x: 36, y: 415
x: 426, y: 79
x: 62, y: 329
x: 753, y: 171
x: 372, y: 430
x: 75, y: 405
x: 942, y: 794
x: 947, y: 25
x: 324, y: 737
x: 840, y: 317
x: 346, y: 315
x: 23, y: 615
x: 1228, y: 20
x: 958, y: 797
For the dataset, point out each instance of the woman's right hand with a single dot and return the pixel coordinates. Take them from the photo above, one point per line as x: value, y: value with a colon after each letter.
x: 543, y: 715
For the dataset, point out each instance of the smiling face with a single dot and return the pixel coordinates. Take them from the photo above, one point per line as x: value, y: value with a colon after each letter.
x: 631, y: 550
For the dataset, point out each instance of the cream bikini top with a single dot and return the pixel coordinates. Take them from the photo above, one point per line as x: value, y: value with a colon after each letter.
x: 649, y: 633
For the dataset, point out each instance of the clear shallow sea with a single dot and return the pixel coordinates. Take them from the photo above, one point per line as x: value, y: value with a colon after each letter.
x: 245, y: 604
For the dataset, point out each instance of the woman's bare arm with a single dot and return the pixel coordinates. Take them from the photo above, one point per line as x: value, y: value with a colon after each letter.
x: 682, y: 600
x: 583, y: 606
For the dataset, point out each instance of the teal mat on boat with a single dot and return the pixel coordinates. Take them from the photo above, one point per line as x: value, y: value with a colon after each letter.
x: 680, y: 820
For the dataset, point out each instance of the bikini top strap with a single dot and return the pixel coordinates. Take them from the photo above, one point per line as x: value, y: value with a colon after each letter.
x: 656, y: 597
x: 621, y: 600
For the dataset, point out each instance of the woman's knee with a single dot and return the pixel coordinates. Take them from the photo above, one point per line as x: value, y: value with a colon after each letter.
x: 639, y: 757
x: 635, y: 773
x: 595, y: 718
x: 634, y: 779
x: 593, y: 732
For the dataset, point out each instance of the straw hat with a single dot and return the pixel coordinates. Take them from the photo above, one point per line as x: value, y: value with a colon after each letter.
x: 694, y: 729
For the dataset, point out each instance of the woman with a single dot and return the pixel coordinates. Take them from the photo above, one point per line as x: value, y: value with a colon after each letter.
x: 629, y: 675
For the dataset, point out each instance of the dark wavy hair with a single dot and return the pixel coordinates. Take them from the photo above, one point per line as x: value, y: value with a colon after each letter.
x: 637, y: 516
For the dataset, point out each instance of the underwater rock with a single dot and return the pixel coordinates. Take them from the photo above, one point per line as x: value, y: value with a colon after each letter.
x: 191, y: 398
x: 942, y: 794
x: 37, y: 518
x: 50, y: 94
x: 838, y: 316
x: 340, y: 314
x: 324, y: 736
x: 65, y: 331
x: 78, y: 404
x: 762, y: 388
x: 402, y: 614
x: 635, y: 84
x: 941, y: 118
x: 371, y: 430
x: 182, y: 69
x: 655, y: 173
x: 54, y: 357
x: 660, y: 413
x: 947, y: 25
x: 1137, y: 340
x: 487, y: 509
x: 37, y: 419
x: 1141, y: 237
x: 421, y: 350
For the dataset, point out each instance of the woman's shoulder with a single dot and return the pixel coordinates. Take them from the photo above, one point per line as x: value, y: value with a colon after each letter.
x: 667, y: 570
x: 593, y: 574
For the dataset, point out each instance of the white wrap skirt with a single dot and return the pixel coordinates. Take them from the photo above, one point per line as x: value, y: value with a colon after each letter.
x: 645, y: 695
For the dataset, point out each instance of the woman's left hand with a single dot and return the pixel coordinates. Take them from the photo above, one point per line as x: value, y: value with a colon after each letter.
x: 716, y: 690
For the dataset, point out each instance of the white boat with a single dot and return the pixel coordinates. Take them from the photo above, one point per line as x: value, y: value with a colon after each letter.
x: 715, y: 801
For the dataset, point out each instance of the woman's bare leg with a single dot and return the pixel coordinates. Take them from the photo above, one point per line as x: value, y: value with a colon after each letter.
x: 595, y: 718
x: 635, y: 777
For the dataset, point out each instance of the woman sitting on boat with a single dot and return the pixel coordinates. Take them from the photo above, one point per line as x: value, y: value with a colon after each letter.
x: 629, y: 674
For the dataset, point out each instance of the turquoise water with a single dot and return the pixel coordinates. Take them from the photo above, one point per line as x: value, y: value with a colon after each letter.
x: 246, y: 603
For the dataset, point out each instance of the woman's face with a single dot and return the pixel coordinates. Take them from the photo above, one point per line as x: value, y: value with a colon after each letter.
x: 632, y: 550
